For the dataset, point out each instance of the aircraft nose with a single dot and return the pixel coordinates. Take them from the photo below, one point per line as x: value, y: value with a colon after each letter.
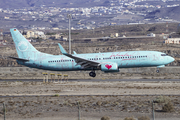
x: 171, y: 59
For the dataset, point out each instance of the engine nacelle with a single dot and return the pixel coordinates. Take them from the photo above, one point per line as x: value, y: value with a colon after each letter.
x: 109, y: 67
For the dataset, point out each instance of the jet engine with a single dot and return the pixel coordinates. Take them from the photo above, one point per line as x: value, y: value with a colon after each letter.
x: 109, y: 67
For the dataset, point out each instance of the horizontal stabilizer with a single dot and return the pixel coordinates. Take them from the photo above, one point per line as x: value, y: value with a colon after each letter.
x: 20, y: 59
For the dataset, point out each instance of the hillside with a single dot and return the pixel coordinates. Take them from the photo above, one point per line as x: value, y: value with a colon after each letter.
x: 54, y: 3
x: 170, y: 12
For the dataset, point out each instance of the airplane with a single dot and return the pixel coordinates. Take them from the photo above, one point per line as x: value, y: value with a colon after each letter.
x: 106, y: 62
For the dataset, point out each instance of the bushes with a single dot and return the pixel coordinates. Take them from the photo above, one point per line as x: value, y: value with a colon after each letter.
x: 140, y: 118
x: 162, y: 99
x: 165, y: 101
x: 105, y: 118
x: 129, y: 118
x: 144, y: 118
x: 168, y: 107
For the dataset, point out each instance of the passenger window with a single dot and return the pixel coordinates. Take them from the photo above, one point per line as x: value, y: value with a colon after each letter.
x: 163, y: 54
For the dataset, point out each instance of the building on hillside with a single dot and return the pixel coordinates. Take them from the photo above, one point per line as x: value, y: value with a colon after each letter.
x: 3, y: 42
x: 114, y: 35
x: 34, y: 34
x: 172, y: 41
x: 151, y: 35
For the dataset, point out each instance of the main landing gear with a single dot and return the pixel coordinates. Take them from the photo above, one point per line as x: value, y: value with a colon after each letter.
x: 92, y: 74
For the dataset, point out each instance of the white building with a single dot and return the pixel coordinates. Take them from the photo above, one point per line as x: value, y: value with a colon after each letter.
x: 172, y: 41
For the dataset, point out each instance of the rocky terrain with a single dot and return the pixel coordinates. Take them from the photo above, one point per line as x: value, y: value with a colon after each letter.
x: 37, y: 100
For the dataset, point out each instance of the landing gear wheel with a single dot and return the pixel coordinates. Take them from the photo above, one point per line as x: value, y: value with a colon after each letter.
x: 92, y: 74
x: 157, y: 71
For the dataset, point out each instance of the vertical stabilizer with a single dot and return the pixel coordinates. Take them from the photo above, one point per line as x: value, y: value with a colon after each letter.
x: 24, y: 48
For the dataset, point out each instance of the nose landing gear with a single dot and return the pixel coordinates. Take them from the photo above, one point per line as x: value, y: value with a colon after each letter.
x: 157, y: 71
x: 92, y: 74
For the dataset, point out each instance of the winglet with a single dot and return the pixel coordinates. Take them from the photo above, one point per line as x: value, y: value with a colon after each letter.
x: 63, y: 51
x: 74, y: 52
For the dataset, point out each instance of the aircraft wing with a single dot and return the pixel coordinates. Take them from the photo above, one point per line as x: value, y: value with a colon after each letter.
x: 83, y: 62
x: 80, y: 61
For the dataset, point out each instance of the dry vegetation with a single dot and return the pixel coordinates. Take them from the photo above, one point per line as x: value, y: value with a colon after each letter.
x: 34, y: 100
x: 105, y: 118
x: 129, y: 118
x: 144, y: 118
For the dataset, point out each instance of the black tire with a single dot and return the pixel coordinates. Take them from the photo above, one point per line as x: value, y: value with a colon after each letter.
x: 91, y: 74
x: 94, y: 74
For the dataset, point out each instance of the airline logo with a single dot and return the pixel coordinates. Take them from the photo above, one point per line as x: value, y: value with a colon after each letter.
x: 22, y: 46
x: 108, y: 66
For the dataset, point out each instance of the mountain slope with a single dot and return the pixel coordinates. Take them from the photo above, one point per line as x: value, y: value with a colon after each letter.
x: 54, y: 3
x: 170, y: 12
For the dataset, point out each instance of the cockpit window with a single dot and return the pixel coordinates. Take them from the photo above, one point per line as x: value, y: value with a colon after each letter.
x: 163, y: 54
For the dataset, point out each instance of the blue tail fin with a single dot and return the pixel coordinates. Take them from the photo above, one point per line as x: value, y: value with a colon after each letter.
x: 24, y: 49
